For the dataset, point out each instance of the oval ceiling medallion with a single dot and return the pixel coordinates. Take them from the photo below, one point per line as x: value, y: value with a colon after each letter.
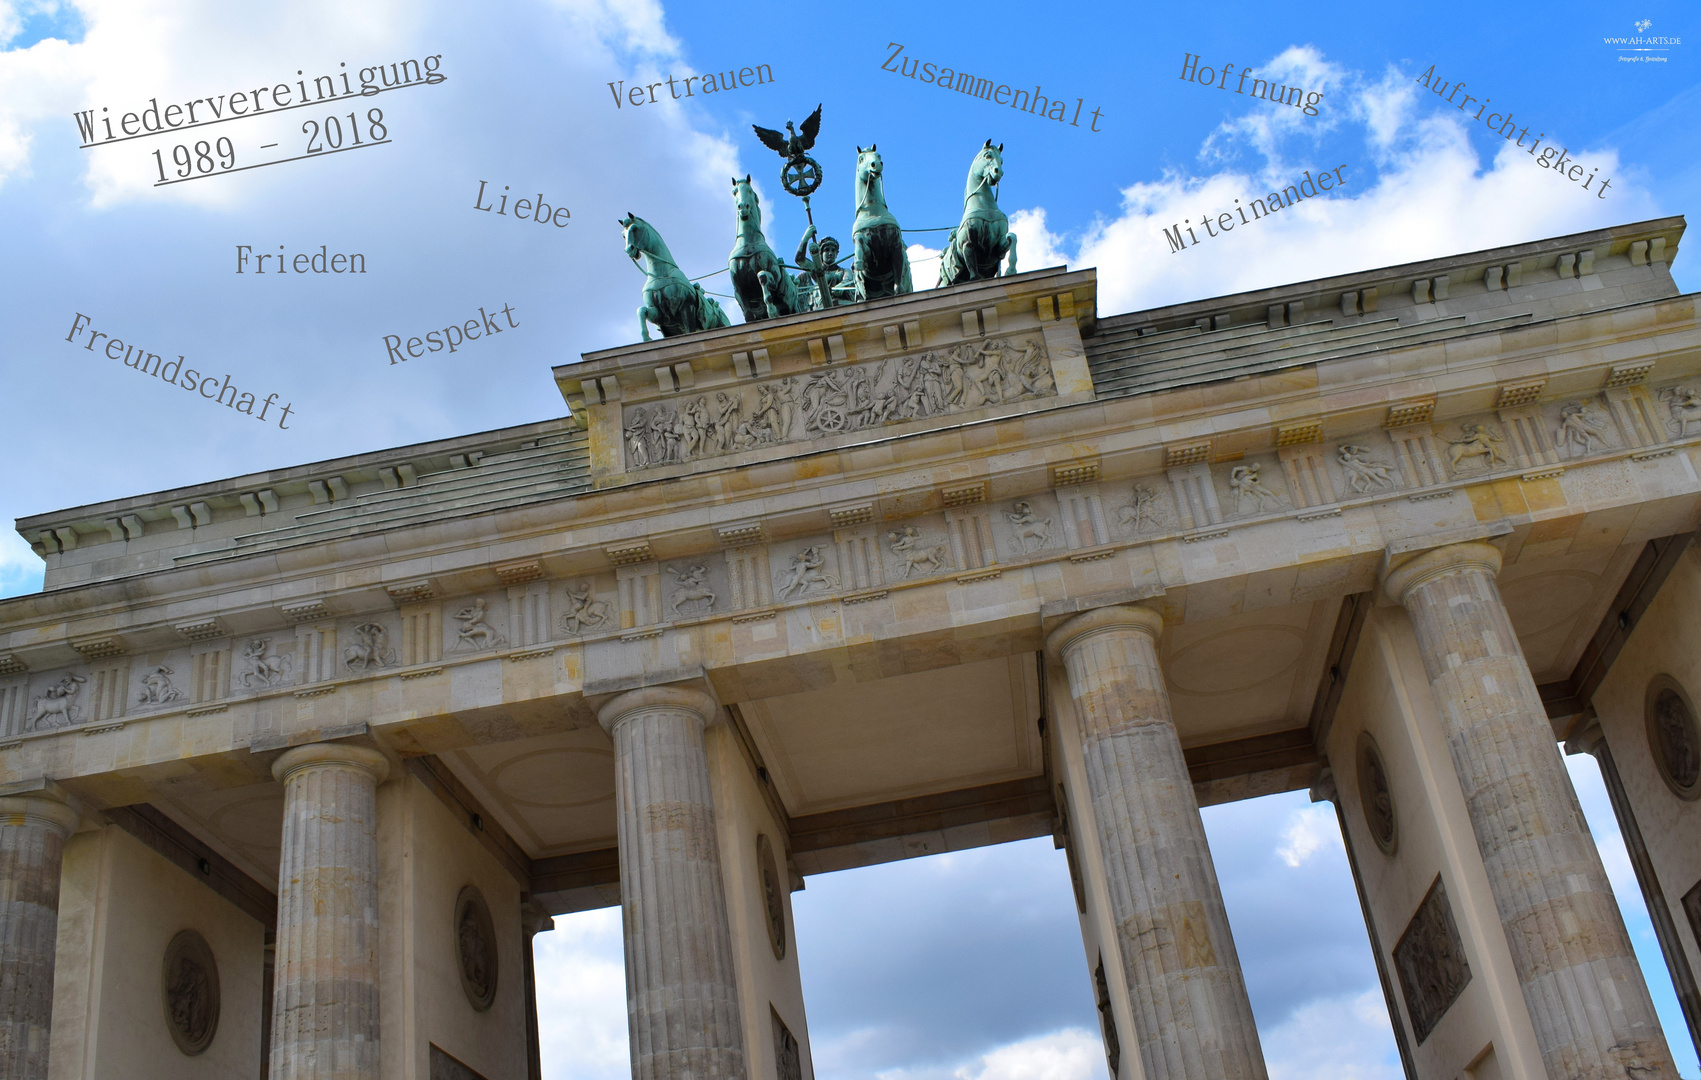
x: 557, y: 779
x: 1234, y: 660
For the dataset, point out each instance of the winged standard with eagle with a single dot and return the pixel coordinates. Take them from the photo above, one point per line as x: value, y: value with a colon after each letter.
x: 801, y: 174
x: 764, y: 289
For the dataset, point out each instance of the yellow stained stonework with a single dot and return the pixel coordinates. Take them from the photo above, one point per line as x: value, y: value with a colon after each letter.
x: 843, y: 542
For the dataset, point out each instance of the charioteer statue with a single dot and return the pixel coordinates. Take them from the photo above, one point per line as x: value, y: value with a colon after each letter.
x: 981, y: 246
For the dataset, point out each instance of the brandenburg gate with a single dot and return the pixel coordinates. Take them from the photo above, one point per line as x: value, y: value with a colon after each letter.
x: 296, y: 763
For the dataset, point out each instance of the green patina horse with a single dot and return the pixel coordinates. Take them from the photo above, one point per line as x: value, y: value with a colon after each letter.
x: 671, y: 300
x: 882, y: 262
x: 759, y: 278
x: 975, y: 246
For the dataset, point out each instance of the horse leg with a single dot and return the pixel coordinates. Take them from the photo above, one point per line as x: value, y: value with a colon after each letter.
x: 948, y: 260
x: 859, y: 244
x: 1010, y: 245
x: 645, y: 313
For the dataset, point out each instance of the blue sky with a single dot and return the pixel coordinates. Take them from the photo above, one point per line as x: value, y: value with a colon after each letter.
x: 1001, y: 992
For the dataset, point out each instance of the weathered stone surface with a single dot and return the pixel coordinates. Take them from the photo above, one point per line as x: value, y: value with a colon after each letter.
x: 1192, y: 1017
x: 33, y: 829
x: 1593, y: 1017
x: 325, y: 1000
x: 681, y: 989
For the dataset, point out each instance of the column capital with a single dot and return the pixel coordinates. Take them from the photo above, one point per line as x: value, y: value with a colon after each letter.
x: 44, y: 808
x: 1324, y: 788
x: 676, y: 698
x: 1114, y: 617
x: 1587, y: 737
x: 346, y: 755
x: 534, y: 917
x: 1405, y: 572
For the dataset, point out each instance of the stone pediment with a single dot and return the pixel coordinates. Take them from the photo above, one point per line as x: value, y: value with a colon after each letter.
x: 793, y: 385
x: 842, y: 399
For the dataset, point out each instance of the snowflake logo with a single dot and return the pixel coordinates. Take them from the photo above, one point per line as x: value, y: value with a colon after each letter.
x: 1642, y: 27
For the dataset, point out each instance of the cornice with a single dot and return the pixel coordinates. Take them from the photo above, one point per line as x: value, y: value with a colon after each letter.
x: 898, y: 476
x: 1323, y: 294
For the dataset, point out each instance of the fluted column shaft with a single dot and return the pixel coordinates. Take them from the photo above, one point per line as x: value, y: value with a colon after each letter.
x: 325, y: 993
x: 33, y: 830
x: 1192, y: 1017
x: 534, y: 920
x: 1593, y: 1017
x: 681, y: 989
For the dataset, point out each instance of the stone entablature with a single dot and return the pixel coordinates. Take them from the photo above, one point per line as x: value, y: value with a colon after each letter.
x: 848, y: 398
x: 916, y: 362
x: 896, y: 537
x: 143, y: 533
x: 1343, y: 502
x: 1495, y: 281
x: 996, y: 620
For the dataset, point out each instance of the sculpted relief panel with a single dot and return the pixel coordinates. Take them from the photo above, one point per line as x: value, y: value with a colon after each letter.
x: 1430, y: 961
x: 867, y: 550
x: 190, y: 981
x: 851, y: 397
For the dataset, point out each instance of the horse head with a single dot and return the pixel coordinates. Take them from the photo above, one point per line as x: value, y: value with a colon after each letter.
x: 643, y: 239
x: 868, y: 162
x: 987, y: 168
x: 635, y: 229
x: 744, y: 199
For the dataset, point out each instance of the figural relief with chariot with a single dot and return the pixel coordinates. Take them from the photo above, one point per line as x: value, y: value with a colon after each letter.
x: 1195, y: 492
x: 1305, y: 481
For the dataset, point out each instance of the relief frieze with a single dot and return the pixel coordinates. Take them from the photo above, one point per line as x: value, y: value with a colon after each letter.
x: 1430, y: 962
x: 851, y: 397
x: 862, y: 554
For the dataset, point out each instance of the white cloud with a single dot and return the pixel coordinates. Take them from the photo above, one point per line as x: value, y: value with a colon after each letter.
x: 1071, y: 1054
x: 635, y: 25
x: 1308, y: 831
x: 1342, y: 1038
x: 1037, y: 247
x: 581, y: 997
x: 1417, y: 189
x: 1268, y: 125
x: 34, y: 83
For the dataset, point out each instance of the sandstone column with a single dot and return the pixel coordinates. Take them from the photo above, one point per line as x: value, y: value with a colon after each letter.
x: 325, y: 999
x: 1592, y: 1013
x: 534, y: 920
x: 33, y: 829
x: 681, y: 991
x: 1192, y: 1018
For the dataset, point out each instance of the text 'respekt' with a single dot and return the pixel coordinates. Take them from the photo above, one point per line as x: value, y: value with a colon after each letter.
x: 188, y: 380
x: 453, y: 335
x: 1225, y: 221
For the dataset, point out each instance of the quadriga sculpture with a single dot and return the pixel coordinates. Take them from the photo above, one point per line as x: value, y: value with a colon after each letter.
x: 759, y: 278
x: 983, y: 238
x: 671, y: 301
x: 882, y: 263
